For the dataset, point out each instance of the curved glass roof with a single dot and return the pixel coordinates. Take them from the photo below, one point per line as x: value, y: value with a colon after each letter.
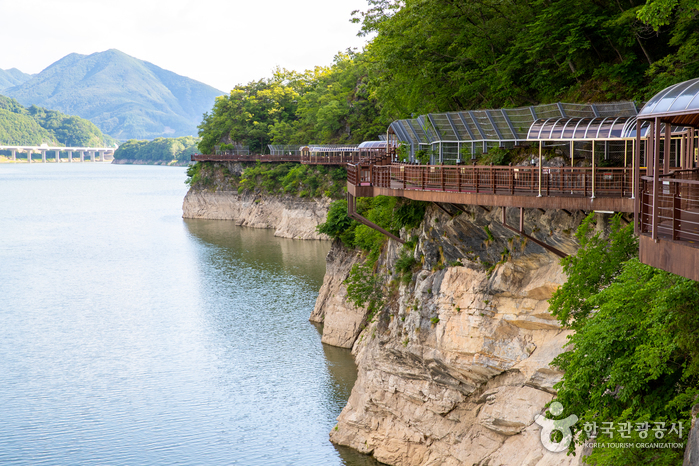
x: 680, y: 98
x: 373, y: 145
x: 330, y: 148
x: 510, y: 124
x: 578, y: 128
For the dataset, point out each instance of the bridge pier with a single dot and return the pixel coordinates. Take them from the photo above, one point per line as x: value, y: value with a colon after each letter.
x: 14, y: 155
x: 70, y: 156
x: 92, y: 155
x: 29, y: 156
x: 101, y: 156
x: 43, y: 156
x: 58, y: 156
x: 82, y: 155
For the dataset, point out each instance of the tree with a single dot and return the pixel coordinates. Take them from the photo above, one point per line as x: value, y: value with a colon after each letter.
x: 633, y: 357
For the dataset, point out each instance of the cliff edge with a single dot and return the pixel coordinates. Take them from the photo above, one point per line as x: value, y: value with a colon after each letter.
x: 455, y: 366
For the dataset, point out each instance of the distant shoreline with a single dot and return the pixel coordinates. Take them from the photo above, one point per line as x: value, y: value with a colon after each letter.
x: 173, y: 163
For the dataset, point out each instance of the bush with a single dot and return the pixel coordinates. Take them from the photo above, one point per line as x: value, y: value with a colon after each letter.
x: 633, y: 357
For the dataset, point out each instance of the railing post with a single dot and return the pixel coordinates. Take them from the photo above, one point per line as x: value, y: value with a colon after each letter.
x: 458, y: 179
x: 656, y: 178
x: 402, y: 167
x: 593, y: 170
x: 512, y: 180
x: 541, y: 144
x: 441, y: 175
x: 492, y: 178
x: 475, y: 177
x: 676, y: 212
x: 422, y: 174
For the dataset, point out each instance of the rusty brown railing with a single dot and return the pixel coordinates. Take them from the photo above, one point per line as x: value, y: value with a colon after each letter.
x: 575, y: 181
x: 677, y: 207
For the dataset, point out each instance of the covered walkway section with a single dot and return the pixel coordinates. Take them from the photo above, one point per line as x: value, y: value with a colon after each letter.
x: 667, y: 211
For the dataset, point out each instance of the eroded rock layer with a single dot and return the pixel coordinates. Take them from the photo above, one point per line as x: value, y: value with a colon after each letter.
x: 456, y: 366
x: 289, y: 216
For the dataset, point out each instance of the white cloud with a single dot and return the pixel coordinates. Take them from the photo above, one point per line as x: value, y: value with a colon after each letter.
x: 221, y: 43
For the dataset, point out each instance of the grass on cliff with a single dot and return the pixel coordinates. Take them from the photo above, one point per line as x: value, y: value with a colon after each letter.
x: 633, y: 360
x: 364, y: 286
x: 271, y: 178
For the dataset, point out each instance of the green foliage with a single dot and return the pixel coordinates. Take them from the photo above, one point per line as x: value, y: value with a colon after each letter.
x: 409, y: 214
x: 36, y: 125
x: 594, y: 267
x: 193, y: 174
x: 159, y: 149
x: 633, y: 357
x: 338, y: 225
x: 275, y: 178
x: 423, y: 156
x: 405, y: 264
x: 523, y: 53
x: 496, y: 156
x: 389, y: 213
x: 364, y: 287
x: 327, y: 104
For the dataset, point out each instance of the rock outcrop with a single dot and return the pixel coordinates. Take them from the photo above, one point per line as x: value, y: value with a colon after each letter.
x: 289, y: 216
x: 456, y: 366
x: 342, y: 321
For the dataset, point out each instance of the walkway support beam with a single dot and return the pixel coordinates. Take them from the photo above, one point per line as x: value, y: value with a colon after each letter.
x: 521, y: 232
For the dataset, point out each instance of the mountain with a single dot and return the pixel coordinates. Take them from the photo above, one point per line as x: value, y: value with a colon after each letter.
x: 125, y: 97
x: 36, y: 125
x: 12, y: 77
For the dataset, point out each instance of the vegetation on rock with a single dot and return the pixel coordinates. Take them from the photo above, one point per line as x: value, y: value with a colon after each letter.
x: 633, y: 357
x: 271, y: 178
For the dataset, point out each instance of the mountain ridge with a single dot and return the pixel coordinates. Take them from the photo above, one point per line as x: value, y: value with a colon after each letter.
x: 125, y: 97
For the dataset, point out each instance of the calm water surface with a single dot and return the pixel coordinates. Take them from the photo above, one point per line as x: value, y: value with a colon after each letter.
x: 131, y: 336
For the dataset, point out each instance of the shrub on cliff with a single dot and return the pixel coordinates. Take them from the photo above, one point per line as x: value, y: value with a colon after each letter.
x: 633, y: 360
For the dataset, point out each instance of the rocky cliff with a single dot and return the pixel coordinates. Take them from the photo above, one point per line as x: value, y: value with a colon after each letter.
x: 289, y: 215
x: 456, y: 365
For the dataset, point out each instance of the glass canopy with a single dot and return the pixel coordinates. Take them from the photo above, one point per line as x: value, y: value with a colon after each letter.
x: 680, y: 98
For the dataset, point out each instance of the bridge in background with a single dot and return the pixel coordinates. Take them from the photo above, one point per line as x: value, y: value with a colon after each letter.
x: 102, y: 153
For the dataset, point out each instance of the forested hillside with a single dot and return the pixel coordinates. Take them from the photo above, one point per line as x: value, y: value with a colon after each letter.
x: 441, y: 55
x: 36, y: 125
x: 124, y: 96
x: 158, y: 150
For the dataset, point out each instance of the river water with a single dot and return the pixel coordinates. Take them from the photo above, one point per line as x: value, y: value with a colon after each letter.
x: 130, y: 336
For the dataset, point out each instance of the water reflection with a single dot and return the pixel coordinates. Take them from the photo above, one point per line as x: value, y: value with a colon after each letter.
x: 273, y: 283
x: 128, y: 336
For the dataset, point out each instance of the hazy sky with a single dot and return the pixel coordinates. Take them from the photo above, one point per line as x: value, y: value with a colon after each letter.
x: 221, y: 43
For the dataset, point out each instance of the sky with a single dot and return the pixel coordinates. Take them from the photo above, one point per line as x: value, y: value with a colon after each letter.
x: 220, y: 43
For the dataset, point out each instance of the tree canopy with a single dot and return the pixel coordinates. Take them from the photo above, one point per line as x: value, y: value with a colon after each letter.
x: 633, y: 359
x: 445, y: 55
x: 36, y: 125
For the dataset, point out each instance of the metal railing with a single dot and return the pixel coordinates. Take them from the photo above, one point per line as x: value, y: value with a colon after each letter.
x: 547, y: 181
x: 677, y: 207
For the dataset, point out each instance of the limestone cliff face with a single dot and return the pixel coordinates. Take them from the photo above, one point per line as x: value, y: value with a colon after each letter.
x: 341, y: 320
x: 289, y: 216
x: 455, y: 368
